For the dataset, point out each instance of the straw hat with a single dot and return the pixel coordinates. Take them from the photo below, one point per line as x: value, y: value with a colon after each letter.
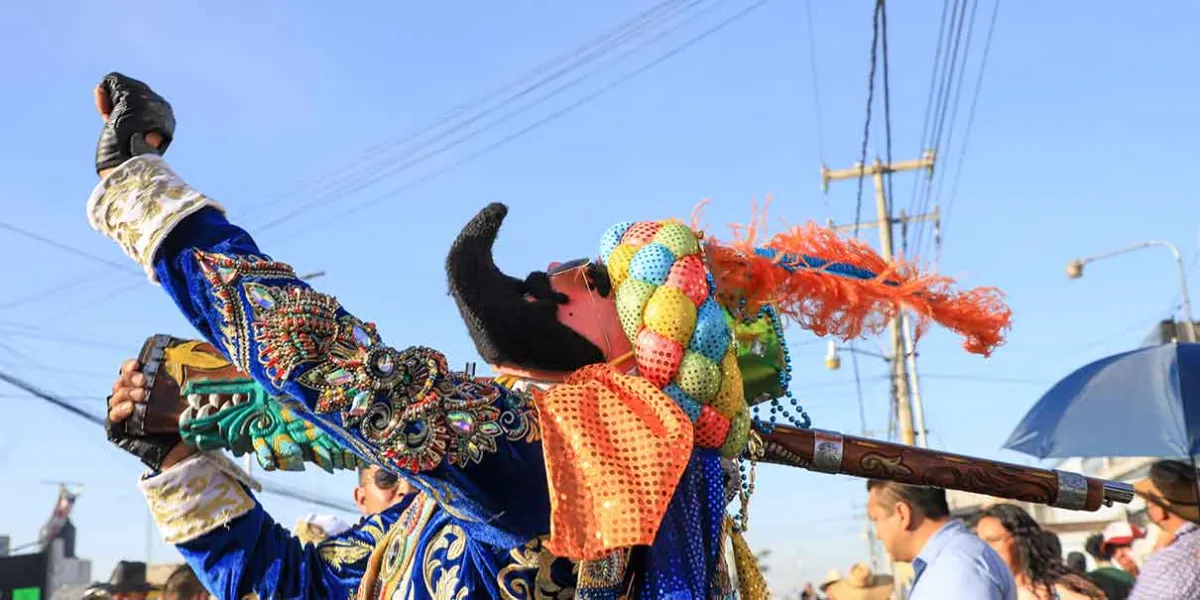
x: 832, y: 577
x: 861, y: 584
x: 1171, y: 485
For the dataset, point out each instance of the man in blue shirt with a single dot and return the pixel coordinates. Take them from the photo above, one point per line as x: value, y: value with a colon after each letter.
x: 914, y: 525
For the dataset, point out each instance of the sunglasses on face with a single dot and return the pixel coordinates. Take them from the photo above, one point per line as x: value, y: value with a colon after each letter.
x: 597, y: 273
x: 567, y: 266
x: 385, y: 480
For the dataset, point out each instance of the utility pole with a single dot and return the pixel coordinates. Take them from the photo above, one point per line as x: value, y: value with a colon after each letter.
x: 903, y: 362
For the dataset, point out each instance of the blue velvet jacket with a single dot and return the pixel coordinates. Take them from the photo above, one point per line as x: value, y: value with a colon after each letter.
x: 472, y: 447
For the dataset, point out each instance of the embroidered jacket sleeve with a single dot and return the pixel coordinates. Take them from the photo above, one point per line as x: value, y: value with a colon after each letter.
x: 237, y: 549
x: 473, y: 445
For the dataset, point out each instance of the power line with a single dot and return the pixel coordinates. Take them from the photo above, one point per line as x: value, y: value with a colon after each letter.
x: 925, y: 141
x: 862, y: 411
x: 948, y: 95
x: 38, y: 295
x: 65, y: 248
x: 987, y: 46
x: 42, y: 334
x: 416, y: 157
x: 862, y: 173
x: 51, y: 398
x: 268, y: 487
x: 538, y: 71
x: 941, y: 173
x: 545, y: 120
x: 983, y: 378
x: 597, y: 47
x: 812, y: 64
x: 887, y: 107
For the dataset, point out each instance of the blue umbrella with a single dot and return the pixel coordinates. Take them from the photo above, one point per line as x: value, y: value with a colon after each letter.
x: 1145, y: 402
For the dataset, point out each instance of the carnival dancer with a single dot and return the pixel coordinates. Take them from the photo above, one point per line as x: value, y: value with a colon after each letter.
x: 602, y: 443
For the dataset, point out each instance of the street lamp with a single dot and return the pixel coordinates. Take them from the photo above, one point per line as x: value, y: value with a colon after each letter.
x: 833, y: 361
x: 1075, y: 271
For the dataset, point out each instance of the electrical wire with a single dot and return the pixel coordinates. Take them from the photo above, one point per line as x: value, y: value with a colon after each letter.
x: 812, y: 64
x: 862, y: 410
x: 537, y: 74
x: 42, y: 334
x: 941, y: 173
x: 51, y: 398
x: 984, y: 378
x: 426, y: 151
x: 933, y: 78
x: 593, y: 49
x: 540, y: 122
x: 987, y: 46
x: 65, y: 248
x: 53, y: 290
x: 887, y: 112
x: 862, y: 162
x: 268, y: 487
x: 945, y: 96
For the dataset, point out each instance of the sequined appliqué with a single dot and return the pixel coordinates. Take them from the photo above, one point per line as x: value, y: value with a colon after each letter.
x: 224, y: 274
x: 604, y: 577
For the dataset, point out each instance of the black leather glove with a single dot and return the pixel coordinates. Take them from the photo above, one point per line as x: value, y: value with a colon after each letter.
x: 136, y: 111
x: 131, y: 434
x: 150, y: 449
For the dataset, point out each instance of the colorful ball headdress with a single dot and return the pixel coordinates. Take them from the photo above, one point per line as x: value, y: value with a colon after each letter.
x: 680, y: 298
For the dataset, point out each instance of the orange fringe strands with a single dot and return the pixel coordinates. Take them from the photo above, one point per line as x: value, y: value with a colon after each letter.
x: 842, y: 287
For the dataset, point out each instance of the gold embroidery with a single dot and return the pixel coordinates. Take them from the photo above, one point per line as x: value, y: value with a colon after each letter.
x: 390, y: 567
x: 442, y: 569
x: 513, y: 582
x: 340, y: 552
x: 194, y: 498
x: 139, y: 203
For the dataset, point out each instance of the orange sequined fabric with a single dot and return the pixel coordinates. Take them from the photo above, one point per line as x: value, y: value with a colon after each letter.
x: 615, y: 448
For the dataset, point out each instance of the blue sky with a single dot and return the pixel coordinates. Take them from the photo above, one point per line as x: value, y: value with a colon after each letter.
x: 1082, y: 144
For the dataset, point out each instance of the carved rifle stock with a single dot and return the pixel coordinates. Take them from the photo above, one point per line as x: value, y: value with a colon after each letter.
x: 832, y: 452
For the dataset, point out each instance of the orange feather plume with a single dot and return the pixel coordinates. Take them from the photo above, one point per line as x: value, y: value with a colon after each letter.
x: 797, y: 277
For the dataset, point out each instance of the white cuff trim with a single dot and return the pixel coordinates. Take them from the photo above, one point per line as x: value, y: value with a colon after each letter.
x: 194, y: 497
x: 139, y: 203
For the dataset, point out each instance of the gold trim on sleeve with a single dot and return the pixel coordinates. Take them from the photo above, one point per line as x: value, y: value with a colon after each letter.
x: 139, y: 203
x: 193, y: 498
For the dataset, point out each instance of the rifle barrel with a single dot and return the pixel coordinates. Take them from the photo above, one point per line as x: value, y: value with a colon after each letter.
x: 833, y: 452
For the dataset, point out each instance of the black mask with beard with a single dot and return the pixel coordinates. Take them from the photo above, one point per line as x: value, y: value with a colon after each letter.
x: 509, y: 328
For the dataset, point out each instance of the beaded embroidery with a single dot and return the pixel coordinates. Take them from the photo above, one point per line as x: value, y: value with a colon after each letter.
x: 405, y: 403
x: 223, y: 274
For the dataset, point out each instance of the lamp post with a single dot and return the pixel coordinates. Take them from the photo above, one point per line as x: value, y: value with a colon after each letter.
x: 1075, y: 271
x: 833, y: 362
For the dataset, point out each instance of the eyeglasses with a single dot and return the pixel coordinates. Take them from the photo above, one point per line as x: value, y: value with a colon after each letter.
x: 567, y: 266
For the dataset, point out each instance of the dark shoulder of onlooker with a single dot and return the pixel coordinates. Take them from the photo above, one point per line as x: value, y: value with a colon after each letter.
x: 1115, y: 583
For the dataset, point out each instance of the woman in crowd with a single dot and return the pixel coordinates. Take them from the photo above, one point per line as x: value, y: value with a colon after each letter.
x: 1037, y: 567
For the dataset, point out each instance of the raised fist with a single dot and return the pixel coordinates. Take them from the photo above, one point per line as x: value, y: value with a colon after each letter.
x: 136, y: 121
